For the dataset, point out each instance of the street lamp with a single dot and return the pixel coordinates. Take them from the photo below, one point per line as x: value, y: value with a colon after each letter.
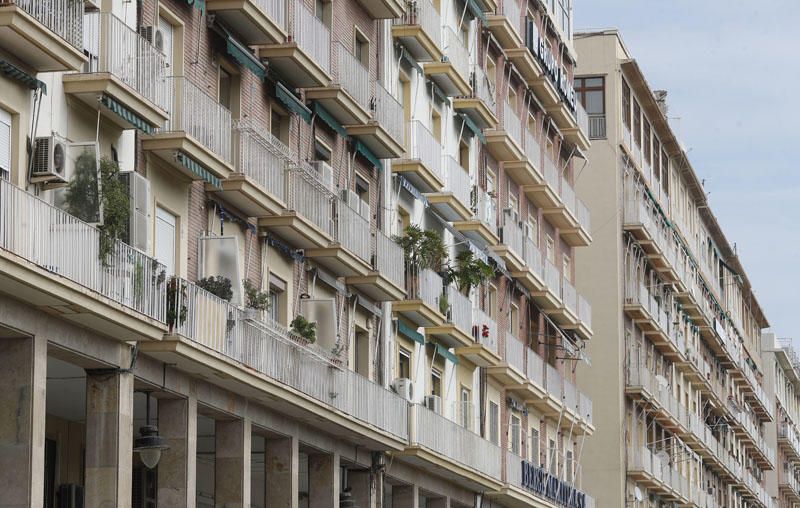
x: 149, y: 444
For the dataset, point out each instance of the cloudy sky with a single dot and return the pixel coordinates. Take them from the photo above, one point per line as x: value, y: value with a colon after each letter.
x: 732, y: 70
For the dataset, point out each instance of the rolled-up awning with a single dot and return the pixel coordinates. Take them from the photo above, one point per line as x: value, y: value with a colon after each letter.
x: 198, y: 170
x: 473, y: 127
x: 410, y: 333
x: 126, y: 114
x: 245, y: 57
x: 362, y: 149
x: 14, y: 72
x: 328, y: 118
x: 291, y: 102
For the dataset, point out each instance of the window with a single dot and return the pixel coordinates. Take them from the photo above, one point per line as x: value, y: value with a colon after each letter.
x: 494, y: 422
x: 361, y: 48
x: 591, y: 94
x: 534, y: 456
x: 665, y: 172
x: 361, y: 353
x: 466, y: 407
x: 513, y: 444
x: 362, y: 189
x: 513, y: 321
x: 436, y: 382
x: 646, y: 143
x: 225, y: 87
x: 550, y: 249
x: 626, y: 104
x: 167, y: 36
x: 277, y: 294
x: 533, y: 228
x: 322, y: 12
x: 637, y: 123
x: 165, y: 239
x: 404, y: 363
x: 656, y: 159
x: 567, y: 267
x: 436, y: 124
x: 5, y: 144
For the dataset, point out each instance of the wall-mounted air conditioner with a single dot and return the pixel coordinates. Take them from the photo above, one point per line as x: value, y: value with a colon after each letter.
x: 50, y: 160
x: 153, y: 35
x: 404, y: 387
x: 434, y: 403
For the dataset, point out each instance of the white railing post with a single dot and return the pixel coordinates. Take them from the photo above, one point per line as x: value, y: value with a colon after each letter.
x: 426, y: 148
x: 352, y: 75
x: 63, y: 17
x: 353, y: 231
x: 388, y: 112
x: 263, y: 158
x: 312, y: 35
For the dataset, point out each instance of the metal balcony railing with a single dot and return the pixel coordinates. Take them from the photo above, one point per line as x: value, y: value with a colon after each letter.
x: 569, y: 296
x: 309, y: 197
x: 275, y: 9
x: 535, y: 368
x: 456, y: 52
x: 512, y: 231
x: 533, y: 150
x: 533, y: 257
x: 424, y: 13
x: 353, y: 231
x: 426, y: 148
x: 484, y: 330
x: 552, y: 278
x: 424, y: 284
x: 554, y: 382
x: 585, y: 406
x: 513, y: 12
x: 63, y: 17
x: 273, y: 351
x: 199, y: 114
x: 511, y: 123
x: 583, y: 118
x: 786, y: 431
x: 584, y: 311
x: 457, y: 180
x: 389, y: 258
x: 116, y: 48
x: 67, y: 247
x: 311, y: 35
x: 552, y: 175
x: 352, y: 75
x: 263, y: 158
x: 484, y: 208
x: 459, y: 309
x: 445, y: 437
x: 483, y: 89
x: 597, y: 126
x: 388, y: 112
x: 515, y: 352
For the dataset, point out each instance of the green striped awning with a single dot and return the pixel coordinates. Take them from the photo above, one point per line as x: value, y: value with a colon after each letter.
x: 364, y: 150
x: 442, y: 351
x: 438, y: 92
x: 245, y: 57
x: 473, y: 127
x: 14, y: 72
x: 294, y: 104
x: 198, y: 170
x: 328, y: 118
x: 126, y: 114
x: 410, y: 333
x: 198, y: 4
x: 475, y: 10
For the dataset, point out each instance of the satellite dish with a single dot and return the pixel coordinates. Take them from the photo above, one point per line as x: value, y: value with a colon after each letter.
x: 662, y: 381
x: 663, y: 456
x: 637, y: 494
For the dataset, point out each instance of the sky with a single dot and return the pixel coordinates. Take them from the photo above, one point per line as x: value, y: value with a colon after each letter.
x: 732, y: 72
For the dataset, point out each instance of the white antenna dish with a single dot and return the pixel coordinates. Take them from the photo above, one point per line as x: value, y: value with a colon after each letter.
x: 663, y: 456
x: 637, y: 494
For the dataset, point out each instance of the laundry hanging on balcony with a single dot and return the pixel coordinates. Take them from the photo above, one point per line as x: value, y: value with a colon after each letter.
x: 291, y: 102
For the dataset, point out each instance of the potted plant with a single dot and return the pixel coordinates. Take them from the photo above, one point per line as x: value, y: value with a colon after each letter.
x: 304, y: 328
x: 469, y: 272
x: 219, y: 286
x: 422, y: 249
x: 256, y: 301
x: 176, y: 303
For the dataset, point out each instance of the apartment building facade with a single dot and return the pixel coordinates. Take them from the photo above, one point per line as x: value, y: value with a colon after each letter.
x: 781, y: 377
x: 683, y: 379
x: 204, y: 299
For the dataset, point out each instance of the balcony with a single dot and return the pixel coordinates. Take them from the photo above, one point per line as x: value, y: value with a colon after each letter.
x: 384, y: 9
x: 511, y: 248
x: 579, y: 133
x: 258, y: 186
x: 196, y: 140
x: 348, y: 96
x: 531, y: 275
x: 483, y: 351
x: 51, y: 260
x: 384, y: 134
x: 457, y: 328
x: 480, y: 105
x: 45, y: 36
x: 259, y: 357
x: 745, y: 425
x: 256, y: 21
x: 305, y: 59
x: 789, y: 440
x: 481, y: 228
x: 504, y: 143
x: 124, y: 76
x: 642, y: 384
x: 508, y: 25
x: 652, y: 316
x: 419, y: 30
x: 647, y: 467
x: 386, y: 281
x: 422, y: 307
x: 545, y: 193
x: 309, y: 221
x: 583, y: 324
x: 549, y: 296
x: 350, y: 253
x: 444, y: 448
x: 451, y: 74
x: 643, y: 220
x: 527, y: 171
x: 422, y: 166
x: 452, y: 203
x: 510, y: 372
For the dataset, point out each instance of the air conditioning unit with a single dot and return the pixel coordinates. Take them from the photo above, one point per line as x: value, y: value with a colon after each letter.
x: 434, y: 403
x: 138, y: 234
x: 404, y: 387
x: 324, y: 172
x: 153, y: 35
x: 50, y: 160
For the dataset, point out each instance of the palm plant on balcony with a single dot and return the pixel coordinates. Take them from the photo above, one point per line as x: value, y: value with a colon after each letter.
x: 423, y: 249
x: 469, y: 272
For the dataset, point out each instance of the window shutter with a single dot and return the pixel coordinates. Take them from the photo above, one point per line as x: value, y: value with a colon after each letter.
x: 5, y: 143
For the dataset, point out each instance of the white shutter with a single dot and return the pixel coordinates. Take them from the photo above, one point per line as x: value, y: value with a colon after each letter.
x: 5, y: 143
x: 165, y: 239
x: 140, y: 212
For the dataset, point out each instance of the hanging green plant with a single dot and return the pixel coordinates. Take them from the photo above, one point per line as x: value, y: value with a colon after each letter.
x: 255, y: 298
x: 116, y: 208
x: 219, y: 286
x: 176, y: 302
x: 304, y: 328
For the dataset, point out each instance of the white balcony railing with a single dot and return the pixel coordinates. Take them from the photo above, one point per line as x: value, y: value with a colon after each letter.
x: 389, y: 258
x: 311, y: 35
x: 275, y: 9
x: 512, y: 231
x: 460, y: 309
x: 484, y: 330
x: 597, y: 126
x: 425, y: 14
x: 533, y: 150
x: 67, y: 247
x: 533, y: 257
x: 583, y: 215
x: 352, y: 75
x: 263, y: 158
x: 512, y: 11
x: 569, y: 296
x: 426, y: 148
x: 445, y: 437
x: 554, y: 382
x: 271, y: 350
x: 583, y: 119
x: 309, y: 197
x: 483, y: 89
x: 63, y: 17
x: 388, y: 112
x: 485, y: 208
x: 456, y: 52
x: 512, y: 124
x: 552, y: 278
x: 535, y: 365
x: 584, y: 311
x: 353, y: 231
x: 457, y: 180
x: 552, y: 175
x: 515, y: 352
x: 116, y: 48
x: 425, y: 285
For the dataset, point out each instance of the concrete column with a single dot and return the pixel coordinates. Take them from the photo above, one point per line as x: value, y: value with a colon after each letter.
x: 109, y: 443
x: 232, y: 463
x: 323, y: 470
x: 177, y: 470
x: 405, y: 496
x: 440, y: 502
x: 361, y: 489
x: 22, y: 417
x: 282, y: 471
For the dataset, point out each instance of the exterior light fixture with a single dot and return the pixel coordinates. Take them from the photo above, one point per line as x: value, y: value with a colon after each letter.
x: 149, y: 444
